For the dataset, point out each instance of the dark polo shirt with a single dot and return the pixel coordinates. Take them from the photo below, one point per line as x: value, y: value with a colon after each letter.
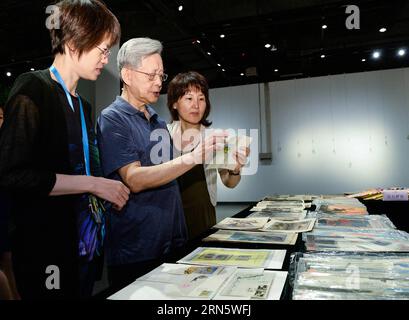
x: 152, y: 222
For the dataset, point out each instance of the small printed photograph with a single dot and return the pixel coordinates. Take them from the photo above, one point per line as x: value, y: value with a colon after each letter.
x: 201, y: 270
x: 258, y: 237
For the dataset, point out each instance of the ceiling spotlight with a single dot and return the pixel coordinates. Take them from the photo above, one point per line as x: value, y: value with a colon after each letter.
x: 209, y: 53
x: 32, y: 69
x: 273, y: 48
x: 222, y: 35
x: 219, y: 65
x: 180, y: 8
x: 401, y: 52
x: 363, y: 60
x: 275, y: 70
x: 324, y: 26
x: 376, y: 54
x: 8, y: 74
x: 322, y: 56
x: 382, y: 30
x: 242, y: 74
x: 267, y: 45
x: 223, y: 70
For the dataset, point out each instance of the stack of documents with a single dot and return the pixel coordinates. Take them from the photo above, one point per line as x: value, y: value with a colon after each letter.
x: 362, y: 222
x: 253, y: 237
x: 260, y: 230
x: 213, y: 273
x: 375, y: 233
x: 266, y: 224
x: 244, y: 258
x: 339, y: 205
x: 355, y: 239
x: 282, y: 207
x: 352, y: 276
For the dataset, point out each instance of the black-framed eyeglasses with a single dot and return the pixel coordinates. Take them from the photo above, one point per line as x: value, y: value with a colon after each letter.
x: 151, y: 76
x: 105, y: 52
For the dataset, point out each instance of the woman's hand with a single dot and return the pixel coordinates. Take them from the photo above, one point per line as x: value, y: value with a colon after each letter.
x: 241, y: 156
x: 111, y: 190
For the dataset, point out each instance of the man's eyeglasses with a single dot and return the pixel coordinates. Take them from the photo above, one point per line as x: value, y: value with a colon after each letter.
x: 105, y: 52
x: 151, y: 76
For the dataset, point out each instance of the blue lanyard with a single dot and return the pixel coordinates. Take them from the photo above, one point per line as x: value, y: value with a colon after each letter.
x: 85, y: 145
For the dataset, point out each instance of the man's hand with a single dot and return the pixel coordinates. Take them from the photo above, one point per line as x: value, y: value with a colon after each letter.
x: 205, y: 150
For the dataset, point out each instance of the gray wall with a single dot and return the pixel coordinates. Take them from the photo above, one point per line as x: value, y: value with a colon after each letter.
x: 329, y: 134
x: 103, y: 91
x: 108, y: 83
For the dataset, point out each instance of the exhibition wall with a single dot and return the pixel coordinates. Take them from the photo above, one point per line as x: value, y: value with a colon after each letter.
x: 328, y: 135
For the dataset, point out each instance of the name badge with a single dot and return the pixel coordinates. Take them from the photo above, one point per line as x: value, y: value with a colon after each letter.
x: 395, y: 195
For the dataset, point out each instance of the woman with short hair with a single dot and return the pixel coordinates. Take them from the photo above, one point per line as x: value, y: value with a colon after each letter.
x: 49, y: 160
x: 189, y: 105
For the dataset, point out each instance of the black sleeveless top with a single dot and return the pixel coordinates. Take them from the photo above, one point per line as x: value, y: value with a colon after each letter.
x: 200, y: 214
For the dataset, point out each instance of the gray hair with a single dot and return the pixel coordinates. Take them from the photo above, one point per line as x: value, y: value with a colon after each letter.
x: 134, y: 50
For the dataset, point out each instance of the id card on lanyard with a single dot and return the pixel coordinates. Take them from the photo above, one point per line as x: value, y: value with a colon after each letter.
x: 95, y: 205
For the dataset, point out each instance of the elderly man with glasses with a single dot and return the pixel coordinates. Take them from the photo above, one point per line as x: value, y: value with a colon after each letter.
x: 151, y: 226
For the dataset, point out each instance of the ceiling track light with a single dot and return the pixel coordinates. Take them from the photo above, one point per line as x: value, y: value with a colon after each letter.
x: 324, y: 26
x: 383, y: 29
x: 222, y: 36
x: 376, y: 54
x: 267, y: 45
x: 180, y: 8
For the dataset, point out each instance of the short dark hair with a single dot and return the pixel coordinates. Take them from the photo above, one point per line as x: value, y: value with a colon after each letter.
x: 85, y: 23
x: 181, y: 84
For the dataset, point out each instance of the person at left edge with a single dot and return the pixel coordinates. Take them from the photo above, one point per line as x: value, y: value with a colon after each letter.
x: 49, y: 160
x: 8, y: 290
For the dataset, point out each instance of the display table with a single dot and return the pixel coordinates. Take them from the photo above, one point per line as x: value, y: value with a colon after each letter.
x: 193, y: 244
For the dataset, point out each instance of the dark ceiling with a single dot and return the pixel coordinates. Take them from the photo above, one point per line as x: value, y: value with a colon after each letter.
x: 293, y: 27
